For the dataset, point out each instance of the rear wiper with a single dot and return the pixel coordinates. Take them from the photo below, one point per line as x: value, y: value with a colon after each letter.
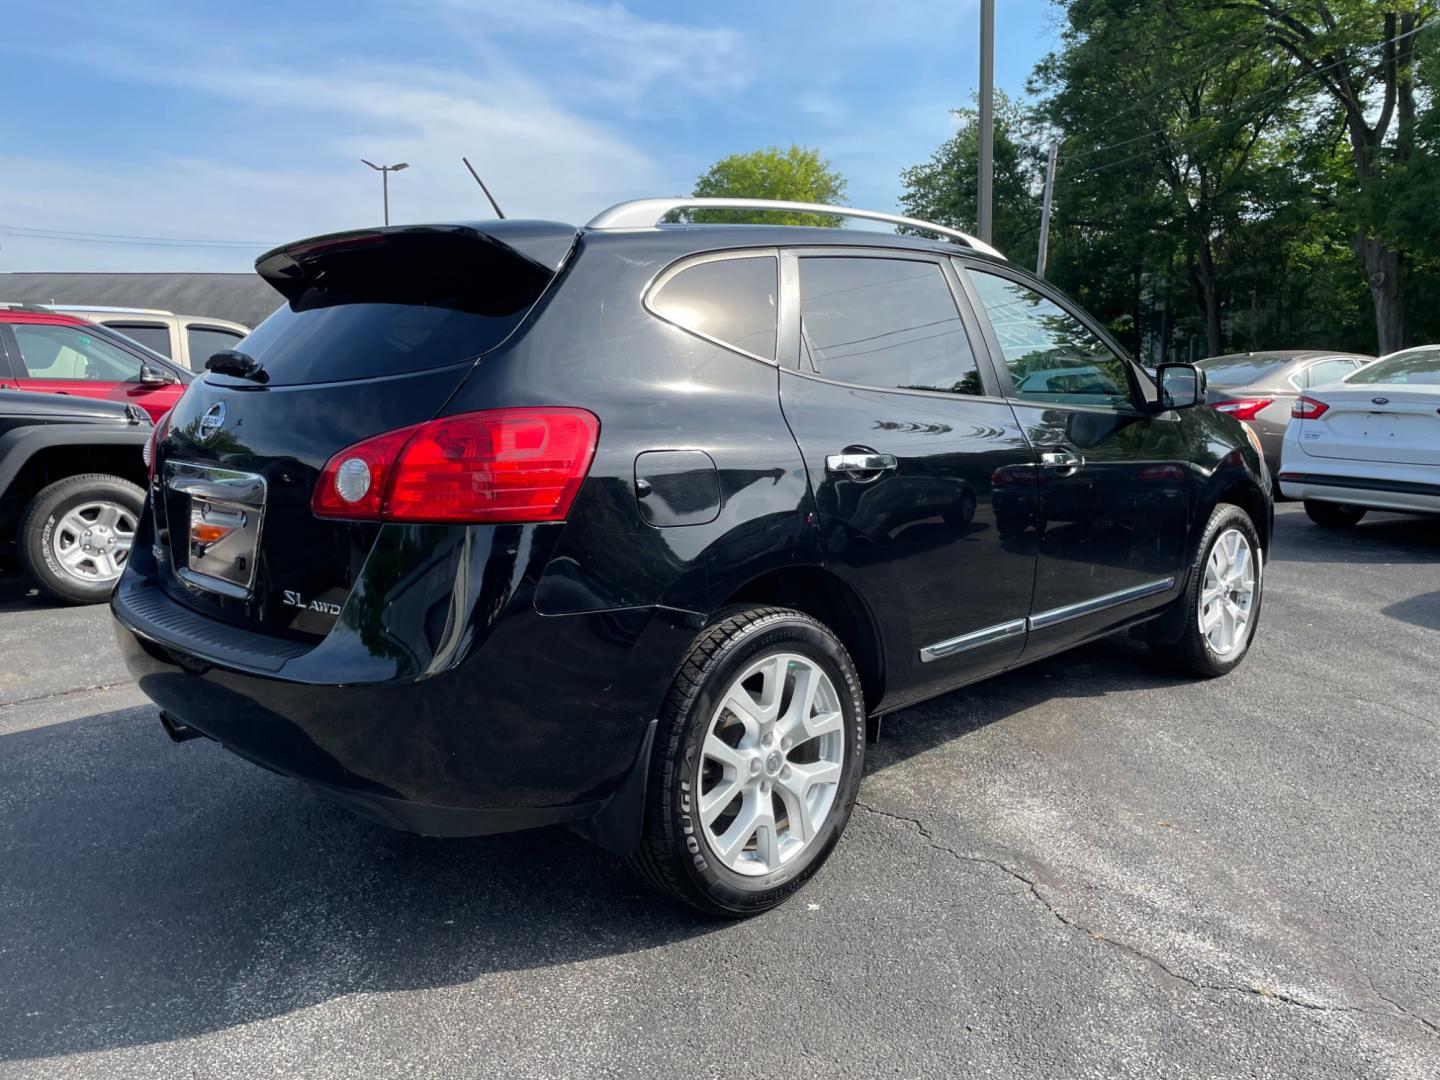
x: 234, y: 362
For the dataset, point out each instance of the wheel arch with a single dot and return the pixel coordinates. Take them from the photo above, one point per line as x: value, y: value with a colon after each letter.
x: 823, y: 595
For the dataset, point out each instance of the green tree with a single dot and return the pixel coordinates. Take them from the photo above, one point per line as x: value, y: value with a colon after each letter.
x: 799, y: 174
x: 1359, y: 56
x: 942, y: 189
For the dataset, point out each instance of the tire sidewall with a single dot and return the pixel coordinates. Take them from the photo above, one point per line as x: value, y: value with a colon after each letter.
x: 43, y: 517
x: 1226, y: 517
x: 724, y: 887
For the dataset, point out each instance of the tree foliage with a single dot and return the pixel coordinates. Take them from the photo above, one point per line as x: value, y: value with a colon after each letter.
x: 1233, y: 174
x: 798, y: 174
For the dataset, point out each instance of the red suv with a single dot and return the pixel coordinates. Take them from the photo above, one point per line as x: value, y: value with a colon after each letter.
x: 60, y: 354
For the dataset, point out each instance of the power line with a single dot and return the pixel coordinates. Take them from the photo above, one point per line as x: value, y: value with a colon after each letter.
x: 122, y: 238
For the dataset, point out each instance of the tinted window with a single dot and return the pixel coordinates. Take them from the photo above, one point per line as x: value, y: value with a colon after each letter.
x: 1050, y: 353
x: 728, y: 300
x: 153, y: 336
x: 885, y: 322
x: 364, y: 340
x: 205, y: 341
x: 68, y: 352
x: 1412, y: 366
x: 1327, y: 371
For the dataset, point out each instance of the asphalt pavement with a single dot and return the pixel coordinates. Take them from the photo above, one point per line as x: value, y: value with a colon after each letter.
x: 1088, y: 867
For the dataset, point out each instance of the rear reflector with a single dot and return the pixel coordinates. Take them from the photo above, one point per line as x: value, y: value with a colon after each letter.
x: 1244, y: 408
x: 499, y: 465
x: 1307, y: 408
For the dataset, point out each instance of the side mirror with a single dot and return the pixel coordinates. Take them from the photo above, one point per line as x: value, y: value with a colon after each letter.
x: 1182, y: 386
x: 155, y: 376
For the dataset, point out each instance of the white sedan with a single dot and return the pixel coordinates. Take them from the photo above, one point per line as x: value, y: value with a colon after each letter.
x: 1371, y: 442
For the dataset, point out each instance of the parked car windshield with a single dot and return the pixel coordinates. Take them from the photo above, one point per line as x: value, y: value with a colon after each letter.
x: 1420, y: 365
x: 1241, y: 370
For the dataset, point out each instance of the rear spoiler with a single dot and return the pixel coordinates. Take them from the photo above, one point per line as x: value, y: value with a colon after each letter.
x: 491, y: 268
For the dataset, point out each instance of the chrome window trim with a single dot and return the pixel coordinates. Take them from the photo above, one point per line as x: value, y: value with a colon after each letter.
x: 973, y: 640
x: 1099, y: 603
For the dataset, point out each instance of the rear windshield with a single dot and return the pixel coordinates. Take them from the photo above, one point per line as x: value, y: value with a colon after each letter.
x: 1420, y: 366
x: 365, y: 340
x: 1240, y: 370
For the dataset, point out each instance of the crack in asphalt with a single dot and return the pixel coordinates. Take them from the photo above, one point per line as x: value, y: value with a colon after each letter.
x: 1225, y: 988
x: 63, y: 693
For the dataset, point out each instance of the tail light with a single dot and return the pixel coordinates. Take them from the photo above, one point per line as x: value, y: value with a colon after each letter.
x: 1307, y: 408
x: 1244, y: 408
x: 152, y: 444
x: 500, y: 465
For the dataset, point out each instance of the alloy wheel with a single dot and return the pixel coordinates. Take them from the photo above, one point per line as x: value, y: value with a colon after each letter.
x: 770, y: 764
x: 1227, y: 596
x: 92, y: 541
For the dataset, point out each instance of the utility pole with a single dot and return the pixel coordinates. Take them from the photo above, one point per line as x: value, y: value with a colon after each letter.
x: 985, y: 188
x: 1045, y: 211
x: 385, y: 171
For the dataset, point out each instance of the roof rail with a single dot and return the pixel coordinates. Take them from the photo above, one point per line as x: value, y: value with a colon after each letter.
x: 647, y: 213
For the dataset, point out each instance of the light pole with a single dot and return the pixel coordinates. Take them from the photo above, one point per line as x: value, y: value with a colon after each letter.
x: 385, y: 171
x: 985, y: 186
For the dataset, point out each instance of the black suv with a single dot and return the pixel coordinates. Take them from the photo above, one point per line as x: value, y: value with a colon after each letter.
x: 632, y: 527
x: 71, y: 476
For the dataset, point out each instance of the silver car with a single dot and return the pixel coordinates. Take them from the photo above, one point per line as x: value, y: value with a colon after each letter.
x: 1260, y: 387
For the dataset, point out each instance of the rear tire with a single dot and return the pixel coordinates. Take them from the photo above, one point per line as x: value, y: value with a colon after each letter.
x: 1224, y: 594
x: 1331, y: 515
x: 75, y: 535
x: 765, y: 710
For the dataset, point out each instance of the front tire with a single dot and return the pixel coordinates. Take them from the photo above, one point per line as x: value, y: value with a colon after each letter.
x: 1222, y: 602
x: 76, y: 535
x: 757, y: 761
x: 1331, y: 515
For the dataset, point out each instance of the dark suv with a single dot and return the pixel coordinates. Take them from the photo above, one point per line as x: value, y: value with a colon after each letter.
x: 632, y: 527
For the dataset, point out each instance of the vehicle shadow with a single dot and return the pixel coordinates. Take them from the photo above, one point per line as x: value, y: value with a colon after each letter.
x: 1422, y: 610
x: 18, y: 594
x: 155, y: 892
x: 1391, y: 538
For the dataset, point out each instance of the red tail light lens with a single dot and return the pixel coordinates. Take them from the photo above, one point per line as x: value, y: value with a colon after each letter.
x: 500, y: 465
x: 1243, y: 409
x: 1307, y: 408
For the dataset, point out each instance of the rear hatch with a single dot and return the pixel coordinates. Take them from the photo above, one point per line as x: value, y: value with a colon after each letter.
x: 1375, y: 423
x: 378, y: 331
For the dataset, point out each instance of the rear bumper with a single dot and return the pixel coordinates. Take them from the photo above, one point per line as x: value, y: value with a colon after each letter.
x: 485, y: 718
x: 1412, y: 489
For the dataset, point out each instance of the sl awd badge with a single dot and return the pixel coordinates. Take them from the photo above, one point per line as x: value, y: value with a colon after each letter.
x: 324, y: 607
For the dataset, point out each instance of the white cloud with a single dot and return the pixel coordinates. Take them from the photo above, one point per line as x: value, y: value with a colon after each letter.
x: 301, y: 130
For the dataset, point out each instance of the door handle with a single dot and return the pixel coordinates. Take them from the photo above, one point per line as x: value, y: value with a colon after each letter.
x: 859, y: 463
x: 1062, y: 461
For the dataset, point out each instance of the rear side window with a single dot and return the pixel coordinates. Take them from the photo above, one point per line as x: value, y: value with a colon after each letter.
x: 888, y: 323
x: 1327, y: 371
x: 731, y: 301
x: 154, y: 336
x: 206, y: 341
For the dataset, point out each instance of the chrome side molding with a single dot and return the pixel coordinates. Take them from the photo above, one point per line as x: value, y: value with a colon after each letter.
x: 1000, y: 631
x: 1099, y: 603
x: 972, y: 640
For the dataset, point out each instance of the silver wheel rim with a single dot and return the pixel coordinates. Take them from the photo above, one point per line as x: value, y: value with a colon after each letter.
x: 1227, y: 596
x: 770, y: 764
x: 92, y: 541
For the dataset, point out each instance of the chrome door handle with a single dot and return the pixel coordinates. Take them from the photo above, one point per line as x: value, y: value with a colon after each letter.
x: 859, y: 463
x: 1062, y: 461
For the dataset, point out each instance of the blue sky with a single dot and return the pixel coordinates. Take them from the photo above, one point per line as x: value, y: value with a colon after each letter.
x: 247, y: 122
